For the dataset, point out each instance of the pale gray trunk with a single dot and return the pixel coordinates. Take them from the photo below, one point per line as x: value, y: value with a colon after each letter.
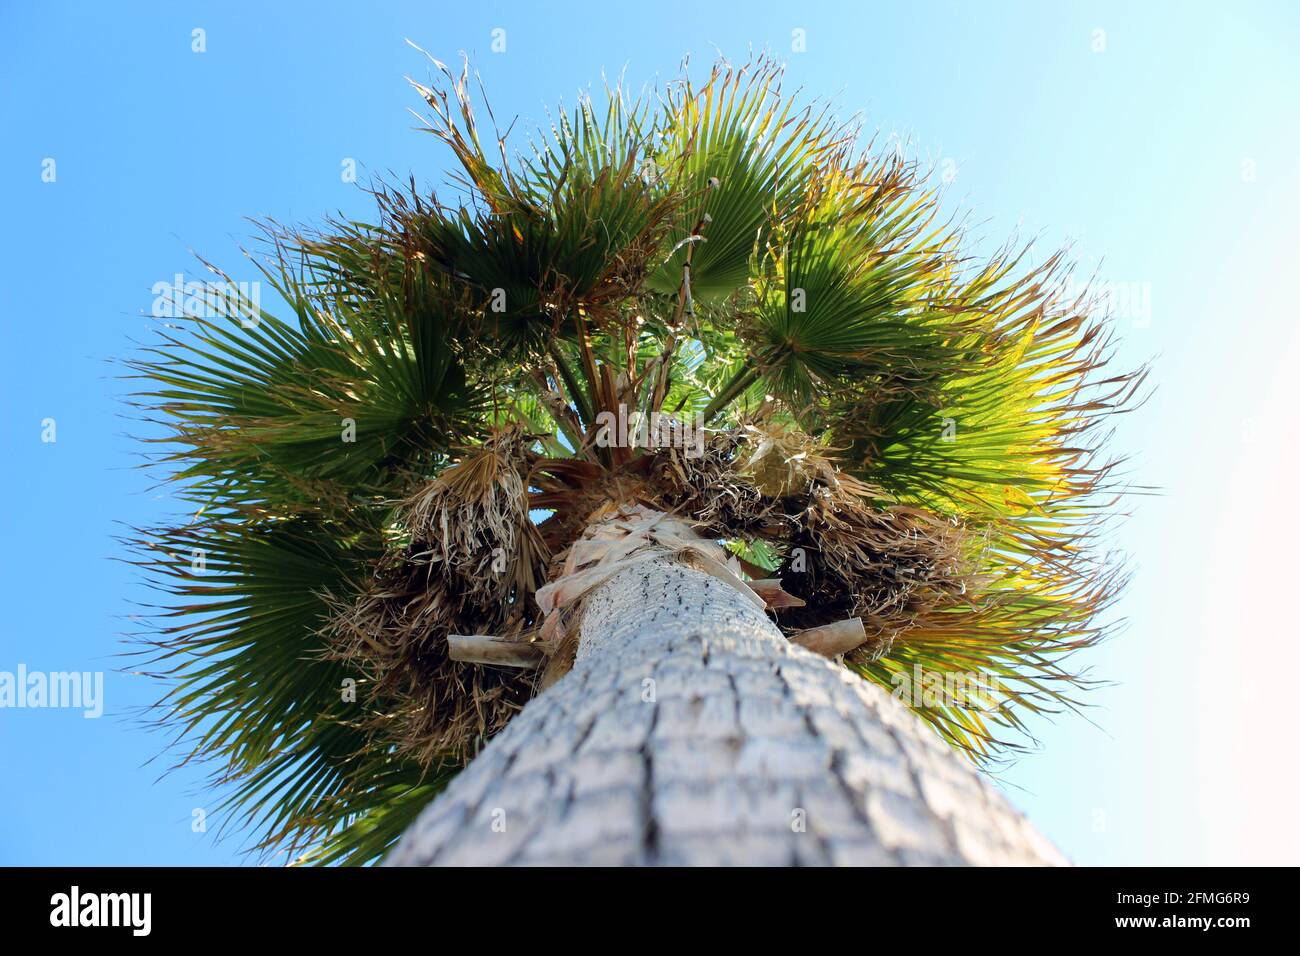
x: 690, y: 731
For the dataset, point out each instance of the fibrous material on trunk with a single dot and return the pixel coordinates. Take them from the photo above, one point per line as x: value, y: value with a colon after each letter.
x: 849, y: 550
x: 468, y: 561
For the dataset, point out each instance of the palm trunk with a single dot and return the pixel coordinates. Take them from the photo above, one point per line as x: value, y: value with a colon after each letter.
x: 690, y: 731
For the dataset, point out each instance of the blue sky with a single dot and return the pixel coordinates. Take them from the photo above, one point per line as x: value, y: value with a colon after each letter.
x: 1160, y: 140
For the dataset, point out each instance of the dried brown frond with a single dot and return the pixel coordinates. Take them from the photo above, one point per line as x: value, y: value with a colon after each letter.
x: 472, y: 562
x: 714, y: 490
x: 785, y: 461
x: 471, y: 523
x: 886, y: 564
x: 435, y: 709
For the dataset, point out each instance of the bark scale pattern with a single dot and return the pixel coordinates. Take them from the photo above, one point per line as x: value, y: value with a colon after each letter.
x: 691, y: 732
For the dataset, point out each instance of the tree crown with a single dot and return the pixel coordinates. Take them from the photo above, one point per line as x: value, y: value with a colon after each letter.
x: 713, y: 303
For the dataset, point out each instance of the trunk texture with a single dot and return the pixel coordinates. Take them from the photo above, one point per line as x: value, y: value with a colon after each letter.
x: 691, y: 732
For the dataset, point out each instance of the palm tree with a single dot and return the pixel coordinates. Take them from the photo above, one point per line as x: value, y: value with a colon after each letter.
x: 686, y: 476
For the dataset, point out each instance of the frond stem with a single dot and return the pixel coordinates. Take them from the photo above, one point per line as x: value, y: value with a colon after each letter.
x: 745, y: 376
x: 580, y: 400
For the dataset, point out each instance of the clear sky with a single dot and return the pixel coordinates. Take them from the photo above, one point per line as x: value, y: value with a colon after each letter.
x: 1161, y: 139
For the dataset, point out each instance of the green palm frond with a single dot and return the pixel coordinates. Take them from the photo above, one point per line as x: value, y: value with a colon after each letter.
x: 331, y: 405
x: 742, y: 153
